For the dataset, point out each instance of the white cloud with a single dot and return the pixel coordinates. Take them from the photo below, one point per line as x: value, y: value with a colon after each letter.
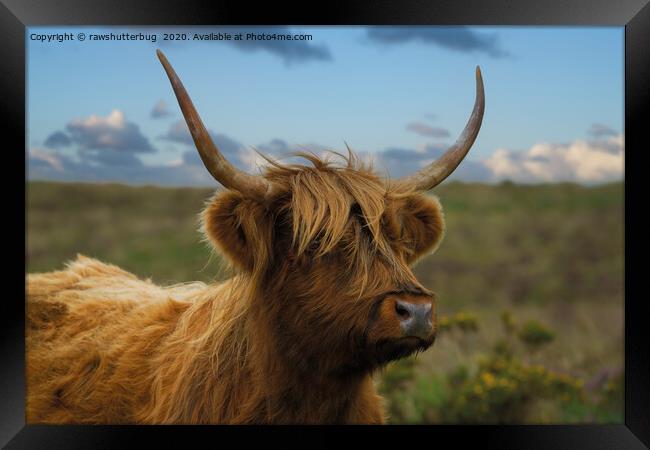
x: 251, y: 159
x: 424, y: 129
x: 112, y: 132
x: 579, y: 161
x: 160, y: 110
x: 599, y: 130
x: 49, y: 158
x: 114, y: 120
x: 175, y: 162
x: 107, y: 149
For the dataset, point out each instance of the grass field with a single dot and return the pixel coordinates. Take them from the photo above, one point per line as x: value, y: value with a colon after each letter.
x: 552, y: 254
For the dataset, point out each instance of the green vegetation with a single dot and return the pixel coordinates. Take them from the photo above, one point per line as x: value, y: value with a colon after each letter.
x: 534, y: 334
x: 150, y: 231
x: 502, y: 388
x: 529, y: 281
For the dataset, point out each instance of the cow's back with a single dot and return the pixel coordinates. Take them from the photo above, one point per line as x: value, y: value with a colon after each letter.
x: 89, y: 332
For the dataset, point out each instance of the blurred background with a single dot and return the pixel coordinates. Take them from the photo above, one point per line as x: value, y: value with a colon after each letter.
x: 530, y: 273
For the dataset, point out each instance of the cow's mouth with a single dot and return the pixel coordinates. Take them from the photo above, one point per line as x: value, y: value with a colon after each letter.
x: 391, y: 349
x: 381, y: 353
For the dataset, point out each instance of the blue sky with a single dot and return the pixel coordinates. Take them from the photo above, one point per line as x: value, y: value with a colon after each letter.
x: 399, y: 95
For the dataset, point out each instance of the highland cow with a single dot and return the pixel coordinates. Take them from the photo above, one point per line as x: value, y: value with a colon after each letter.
x: 322, y: 295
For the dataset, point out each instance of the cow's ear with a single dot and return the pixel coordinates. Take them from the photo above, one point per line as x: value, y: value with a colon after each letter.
x: 422, y: 224
x: 240, y: 228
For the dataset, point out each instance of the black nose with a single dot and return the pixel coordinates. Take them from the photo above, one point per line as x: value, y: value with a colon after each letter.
x: 415, y: 318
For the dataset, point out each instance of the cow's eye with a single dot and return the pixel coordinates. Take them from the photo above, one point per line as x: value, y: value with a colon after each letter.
x: 391, y: 227
x: 314, y: 246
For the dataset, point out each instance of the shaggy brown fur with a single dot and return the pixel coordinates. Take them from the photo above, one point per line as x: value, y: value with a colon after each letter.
x: 293, y: 337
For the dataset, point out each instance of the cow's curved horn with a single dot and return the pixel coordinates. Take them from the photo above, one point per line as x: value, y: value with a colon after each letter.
x: 224, y: 172
x: 434, y: 173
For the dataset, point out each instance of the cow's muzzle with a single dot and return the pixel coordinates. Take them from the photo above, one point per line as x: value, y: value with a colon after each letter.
x: 416, y: 319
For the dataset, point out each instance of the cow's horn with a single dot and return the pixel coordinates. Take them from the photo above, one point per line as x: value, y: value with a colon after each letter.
x: 224, y: 172
x: 434, y: 173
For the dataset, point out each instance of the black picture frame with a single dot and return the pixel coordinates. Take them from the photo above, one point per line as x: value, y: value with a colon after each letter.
x: 634, y: 15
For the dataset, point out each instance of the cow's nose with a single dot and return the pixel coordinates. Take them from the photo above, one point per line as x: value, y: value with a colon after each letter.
x: 415, y: 318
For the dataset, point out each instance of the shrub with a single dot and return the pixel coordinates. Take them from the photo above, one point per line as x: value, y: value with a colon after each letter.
x: 463, y: 321
x: 502, y: 388
x: 508, y: 322
x: 394, y: 386
x: 534, y: 334
x: 466, y: 321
